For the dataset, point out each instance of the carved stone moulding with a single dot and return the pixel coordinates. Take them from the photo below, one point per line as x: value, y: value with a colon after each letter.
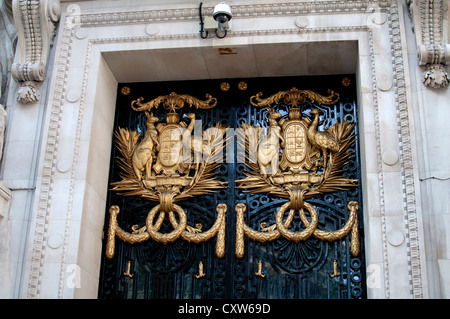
x: 433, y: 54
x: 35, y: 22
x: 433, y: 51
x: 436, y: 76
x: 434, y: 57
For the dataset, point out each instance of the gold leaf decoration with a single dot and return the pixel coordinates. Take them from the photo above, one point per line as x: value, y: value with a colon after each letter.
x: 174, y: 101
x: 294, y: 97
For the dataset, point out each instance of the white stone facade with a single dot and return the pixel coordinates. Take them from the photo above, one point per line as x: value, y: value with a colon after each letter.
x: 57, y: 147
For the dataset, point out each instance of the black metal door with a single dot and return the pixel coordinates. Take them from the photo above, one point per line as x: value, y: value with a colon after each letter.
x: 278, y: 269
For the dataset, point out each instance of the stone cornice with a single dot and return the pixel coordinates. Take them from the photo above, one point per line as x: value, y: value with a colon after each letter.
x: 239, y: 10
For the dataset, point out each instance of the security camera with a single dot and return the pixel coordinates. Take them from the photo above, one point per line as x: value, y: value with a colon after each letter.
x: 222, y: 14
x: 219, y: 23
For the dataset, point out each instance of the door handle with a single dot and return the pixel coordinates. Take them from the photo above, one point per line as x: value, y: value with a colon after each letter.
x: 200, y: 271
x: 127, y: 273
x: 335, y: 268
x: 259, y: 273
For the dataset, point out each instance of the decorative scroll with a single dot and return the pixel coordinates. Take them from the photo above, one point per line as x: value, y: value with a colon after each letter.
x: 294, y: 97
x: 159, y: 168
x: 174, y: 102
x: 296, y: 161
x: 35, y: 22
x: 433, y: 49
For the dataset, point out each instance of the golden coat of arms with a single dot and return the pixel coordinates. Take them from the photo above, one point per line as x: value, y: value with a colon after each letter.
x: 291, y: 159
x: 158, y: 167
x: 295, y: 160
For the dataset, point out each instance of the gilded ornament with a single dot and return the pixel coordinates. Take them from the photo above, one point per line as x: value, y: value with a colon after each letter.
x: 158, y: 167
x: 310, y: 163
x: 200, y: 274
x: 346, y: 82
x: 242, y: 85
x: 335, y: 272
x: 259, y: 273
x: 294, y: 97
x: 125, y: 90
x: 128, y: 273
x: 225, y: 86
x: 174, y: 101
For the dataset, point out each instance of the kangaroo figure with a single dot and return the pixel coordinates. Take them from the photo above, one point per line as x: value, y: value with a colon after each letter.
x: 144, y: 152
x: 269, y: 150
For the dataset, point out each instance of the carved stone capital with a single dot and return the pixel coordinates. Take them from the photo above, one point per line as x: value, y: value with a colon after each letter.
x: 35, y: 22
x: 431, y: 28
